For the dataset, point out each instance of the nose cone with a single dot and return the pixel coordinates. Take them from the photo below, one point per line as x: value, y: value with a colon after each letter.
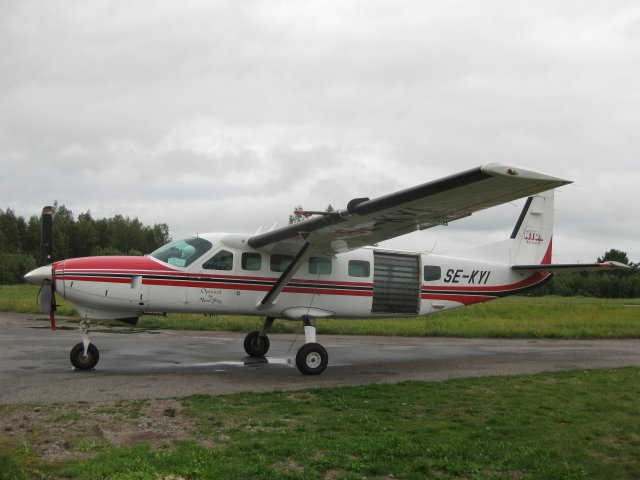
x: 39, y: 275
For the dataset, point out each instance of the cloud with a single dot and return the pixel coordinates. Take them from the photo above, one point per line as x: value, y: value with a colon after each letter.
x: 224, y: 115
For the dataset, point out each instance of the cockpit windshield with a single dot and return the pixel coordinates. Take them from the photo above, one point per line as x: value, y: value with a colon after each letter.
x: 182, y: 253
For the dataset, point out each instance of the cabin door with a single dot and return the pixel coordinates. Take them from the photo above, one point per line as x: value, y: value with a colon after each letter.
x: 396, y: 283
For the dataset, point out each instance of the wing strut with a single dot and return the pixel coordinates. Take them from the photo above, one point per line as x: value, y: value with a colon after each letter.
x: 284, y: 279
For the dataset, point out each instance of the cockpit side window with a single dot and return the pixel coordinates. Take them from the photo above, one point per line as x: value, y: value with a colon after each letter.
x: 222, y: 260
x: 182, y: 253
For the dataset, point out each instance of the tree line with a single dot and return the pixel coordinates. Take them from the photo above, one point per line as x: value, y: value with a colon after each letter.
x: 20, y: 239
x: 20, y: 250
x: 612, y: 284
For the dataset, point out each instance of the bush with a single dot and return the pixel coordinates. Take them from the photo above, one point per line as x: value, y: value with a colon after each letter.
x: 13, y: 266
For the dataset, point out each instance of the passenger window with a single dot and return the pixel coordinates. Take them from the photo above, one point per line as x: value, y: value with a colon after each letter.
x: 320, y: 265
x: 431, y: 273
x: 222, y: 260
x: 251, y: 261
x: 359, y: 268
x: 279, y: 263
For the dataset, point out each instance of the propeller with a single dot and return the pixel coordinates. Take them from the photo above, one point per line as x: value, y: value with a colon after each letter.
x: 44, y: 275
x: 46, y: 244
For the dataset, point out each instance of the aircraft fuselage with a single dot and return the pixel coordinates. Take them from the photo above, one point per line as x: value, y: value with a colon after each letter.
x: 229, y: 277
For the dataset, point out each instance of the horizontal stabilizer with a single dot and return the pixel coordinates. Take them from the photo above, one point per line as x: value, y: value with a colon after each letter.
x: 572, y: 267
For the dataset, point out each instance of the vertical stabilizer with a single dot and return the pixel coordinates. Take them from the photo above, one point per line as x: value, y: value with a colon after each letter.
x: 530, y: 242
x: 531, y: 239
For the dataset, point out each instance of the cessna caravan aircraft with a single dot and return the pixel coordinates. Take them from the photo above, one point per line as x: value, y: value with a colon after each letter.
x: 326, y: 266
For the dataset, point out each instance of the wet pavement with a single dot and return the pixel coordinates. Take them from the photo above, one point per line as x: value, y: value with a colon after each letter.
x: 35, y: 367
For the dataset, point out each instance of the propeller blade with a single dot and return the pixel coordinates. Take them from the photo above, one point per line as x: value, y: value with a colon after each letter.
x: 52, y: 306
x: 47, y: 235
x: 45, y: 297
x: 47, y: 301
x: 45, y: 274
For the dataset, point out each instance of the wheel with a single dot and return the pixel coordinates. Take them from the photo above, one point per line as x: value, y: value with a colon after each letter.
x: 312, y: 359
x: 82, y: 361
x: 256, y: 346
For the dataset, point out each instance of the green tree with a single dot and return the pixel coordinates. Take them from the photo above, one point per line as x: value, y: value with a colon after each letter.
x: 157, y: 236
x: 10, y: 232
x: 33, y: 237
x: 609, y: 284
x: 63, y: 223
x: 615, y: 256
x: 297, y: 216
x: 20, y: 240
x: 13, y: 266
x: 84, y: 238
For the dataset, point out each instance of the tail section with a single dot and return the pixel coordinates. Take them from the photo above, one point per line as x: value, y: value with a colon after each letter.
x: 512, y: 266
x: 531, y: 240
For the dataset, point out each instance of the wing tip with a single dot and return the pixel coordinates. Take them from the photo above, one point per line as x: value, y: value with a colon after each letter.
x: 495, y: 169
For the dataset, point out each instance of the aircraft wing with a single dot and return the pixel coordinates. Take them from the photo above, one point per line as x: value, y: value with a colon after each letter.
x: 572, y: 267
x: 368, y: 221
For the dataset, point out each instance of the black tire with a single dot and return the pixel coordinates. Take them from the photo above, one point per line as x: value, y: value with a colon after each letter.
x: 82, y: 362
x: 312, y: 359
x: 256, y: 346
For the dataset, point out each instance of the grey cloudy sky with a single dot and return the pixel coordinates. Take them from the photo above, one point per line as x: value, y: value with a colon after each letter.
x: 223, y: 115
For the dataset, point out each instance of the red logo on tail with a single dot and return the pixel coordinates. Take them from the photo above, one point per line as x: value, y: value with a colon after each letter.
x: 533, y: 236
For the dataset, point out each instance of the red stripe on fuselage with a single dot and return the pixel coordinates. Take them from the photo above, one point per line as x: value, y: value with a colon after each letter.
x: 313, y: 289
x: 527, y: 282
x: 463, y: 294
x: 121, y: 270
x: 464, y: 299
x: 327, y: 291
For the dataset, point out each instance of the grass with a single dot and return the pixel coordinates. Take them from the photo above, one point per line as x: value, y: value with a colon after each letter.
x: 513, y: 317
x: 581, y: 424
x: 23, y: 298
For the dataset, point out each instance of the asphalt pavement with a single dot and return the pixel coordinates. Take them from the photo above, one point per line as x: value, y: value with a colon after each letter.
x: 35, y: 367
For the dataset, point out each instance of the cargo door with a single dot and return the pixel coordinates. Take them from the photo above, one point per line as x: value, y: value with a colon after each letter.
x: 396, y: 283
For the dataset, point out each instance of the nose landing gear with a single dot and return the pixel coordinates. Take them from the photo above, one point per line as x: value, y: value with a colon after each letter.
x: 84, y: 355
x: 82, y: 360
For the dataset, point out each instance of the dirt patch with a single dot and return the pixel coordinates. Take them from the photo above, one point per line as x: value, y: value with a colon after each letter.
x: 76, y: 430
x: 288, y: 466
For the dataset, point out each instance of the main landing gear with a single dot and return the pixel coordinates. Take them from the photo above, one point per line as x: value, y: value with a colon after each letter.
x: 84, y: 355
x: 311, y: 359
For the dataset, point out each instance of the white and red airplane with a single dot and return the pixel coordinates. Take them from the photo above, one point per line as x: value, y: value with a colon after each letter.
x: 326, y: 266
